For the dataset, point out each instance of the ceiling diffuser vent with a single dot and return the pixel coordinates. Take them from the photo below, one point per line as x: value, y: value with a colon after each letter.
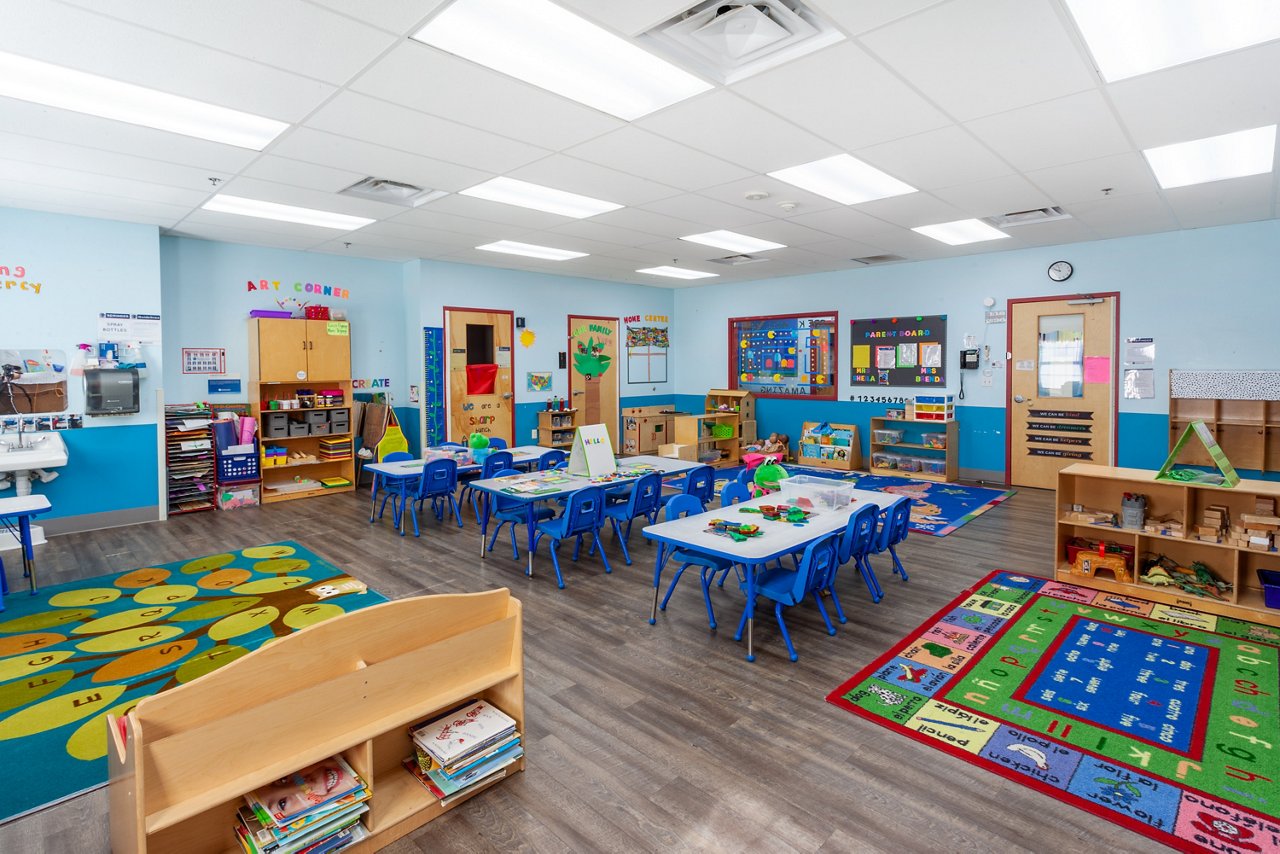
x: 1031, y: 217
x: 738, y: 260
x: 878, y: 259
x: 392, y: 192
x: 728, y: 42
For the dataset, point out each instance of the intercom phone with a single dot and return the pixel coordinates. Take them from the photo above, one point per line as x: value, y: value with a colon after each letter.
x: 969, y: 359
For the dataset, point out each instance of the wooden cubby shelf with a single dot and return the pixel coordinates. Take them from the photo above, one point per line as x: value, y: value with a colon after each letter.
x: 1248, y: 431
x: 556, y: 427
x: 1102, y: 488
x: 943, y: 461
x: 181, y: 761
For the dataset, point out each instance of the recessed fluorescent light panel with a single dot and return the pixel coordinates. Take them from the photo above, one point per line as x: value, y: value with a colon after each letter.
x: 961, y: 231
x: 285, y: 213
x: 677, y: 273
x: 733, y: 241
x: 68, y: 89
x: 844, y: 179
x: 509, y: 191
x: 532, y: 250
x: 1137, y: 36
x: 541, y: 43
x: 1215, y: 158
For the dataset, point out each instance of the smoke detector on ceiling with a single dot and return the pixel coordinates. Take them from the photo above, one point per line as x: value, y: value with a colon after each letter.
x: 728, y: 42
x: 392, y: 192
x: 1030, y: 217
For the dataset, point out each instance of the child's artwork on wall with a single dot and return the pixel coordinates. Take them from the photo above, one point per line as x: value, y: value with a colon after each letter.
x: 647, y: 348
x: 538, y: 381
x: 784, y: 355
x: 898, y: 351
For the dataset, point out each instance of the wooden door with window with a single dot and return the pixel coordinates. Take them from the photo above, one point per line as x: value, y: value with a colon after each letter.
x: 593, y: 371
x: 481, y: 393
x: 1062, y: 386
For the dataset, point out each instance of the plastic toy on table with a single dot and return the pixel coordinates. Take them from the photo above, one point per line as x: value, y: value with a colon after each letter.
x: 736, y: 531
x: 781, y: 513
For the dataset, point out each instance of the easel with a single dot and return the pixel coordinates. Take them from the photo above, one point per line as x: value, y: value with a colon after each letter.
x: 380, y: 433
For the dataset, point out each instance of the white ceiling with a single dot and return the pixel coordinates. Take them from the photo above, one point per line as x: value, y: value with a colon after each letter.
x: 986, y: 106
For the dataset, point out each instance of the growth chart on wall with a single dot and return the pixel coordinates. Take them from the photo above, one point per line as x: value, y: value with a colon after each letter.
x: 784, y: 355
x: 899, y: 351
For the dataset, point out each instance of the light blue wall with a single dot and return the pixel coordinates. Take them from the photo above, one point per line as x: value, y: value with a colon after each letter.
x: 86, y: 266
x: 1208, y: 297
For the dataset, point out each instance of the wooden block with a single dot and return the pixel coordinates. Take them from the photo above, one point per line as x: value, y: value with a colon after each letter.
x: 1208, y: 530
x: 1259, y: 548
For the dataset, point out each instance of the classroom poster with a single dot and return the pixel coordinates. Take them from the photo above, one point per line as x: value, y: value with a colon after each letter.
x: 787, y: 355
x: 898, y: 351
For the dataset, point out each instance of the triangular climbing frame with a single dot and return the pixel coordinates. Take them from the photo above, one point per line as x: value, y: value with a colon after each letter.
x: 1168, y: 472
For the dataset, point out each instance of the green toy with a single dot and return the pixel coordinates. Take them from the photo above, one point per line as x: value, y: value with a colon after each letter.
x: 768, y: 474
x: 477, y: 441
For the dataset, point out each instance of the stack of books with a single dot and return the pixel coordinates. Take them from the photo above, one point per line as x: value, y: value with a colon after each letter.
x: 336, y: 448
x: 458, y: 752
x: 316, y: 810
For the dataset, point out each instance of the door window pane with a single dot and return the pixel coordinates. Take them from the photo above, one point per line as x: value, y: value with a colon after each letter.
x: 1060, y: 368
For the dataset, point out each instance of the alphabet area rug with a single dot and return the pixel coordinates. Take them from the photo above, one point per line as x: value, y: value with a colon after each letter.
x: 1160, y: 719
x: 74, y: 653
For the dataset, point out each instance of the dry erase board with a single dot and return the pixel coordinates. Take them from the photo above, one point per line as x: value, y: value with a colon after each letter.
x: 784, y: 355
x: 899, y: 351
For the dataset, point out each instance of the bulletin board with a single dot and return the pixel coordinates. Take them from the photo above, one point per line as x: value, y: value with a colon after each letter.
x: 899, y: 351
x: 784, y: 355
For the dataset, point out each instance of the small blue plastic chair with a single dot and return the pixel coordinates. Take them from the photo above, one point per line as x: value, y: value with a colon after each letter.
x: 379, y: 483
x: 551, y: 459
x: 787, y: 587
x: 855, y: 545
x: 894, y: 529
x: 732, y: 493
x: 496, y: 461
x: 678, y: 507
x: 497, y: 443
x: 641, y: 501
x: 583, y: 514
x: 746, y: 477
x: 509, y: 510
x: 439, y: 482
x: 700, y: 482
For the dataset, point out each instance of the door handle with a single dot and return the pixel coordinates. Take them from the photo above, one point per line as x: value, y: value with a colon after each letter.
x: 578, y: 393
x: 1017, y: 398
x: 508, y: 396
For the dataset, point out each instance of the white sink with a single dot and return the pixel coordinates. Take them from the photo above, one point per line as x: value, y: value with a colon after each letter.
x: 39, y: 451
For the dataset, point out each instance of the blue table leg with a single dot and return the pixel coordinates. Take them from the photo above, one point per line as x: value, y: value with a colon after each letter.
x: 484, y: 519
x: 28, y: 553
x: 657, y: 579
x: 373, y: 508
x: 529, y: 522
x: 751, y: 611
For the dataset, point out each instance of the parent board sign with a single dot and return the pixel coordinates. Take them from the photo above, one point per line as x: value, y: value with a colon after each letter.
x: 592, y: 452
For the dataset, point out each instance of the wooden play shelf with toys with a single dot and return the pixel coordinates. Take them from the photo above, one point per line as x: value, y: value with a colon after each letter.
x: 1198, y: 546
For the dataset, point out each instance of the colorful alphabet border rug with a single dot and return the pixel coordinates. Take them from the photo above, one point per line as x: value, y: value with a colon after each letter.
x: 74, y: 653
x: 1161, y: 719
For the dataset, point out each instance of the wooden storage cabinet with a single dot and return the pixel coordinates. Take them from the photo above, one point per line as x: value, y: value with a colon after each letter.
x: 944, y: 462
x: 556, y: 427
x: 644, y: 428
x: 181, y: 761
x: 280, y: 349
x: 1248, y: 431
x: 1102, y: 487
x: 695, y: 431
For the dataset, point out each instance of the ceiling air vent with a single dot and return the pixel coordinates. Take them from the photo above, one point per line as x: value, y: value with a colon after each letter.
x: 878, y: 259
x: 392, y: 192
x: 1031, y: 217
x: 738, y: 260
x: 729, y: 42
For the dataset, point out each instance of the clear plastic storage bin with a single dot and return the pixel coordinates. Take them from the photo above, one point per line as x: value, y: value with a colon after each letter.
x: 882, y: 460
x: 820, y: 493
x: 886, y: 437
x: 934, y: 440
x: 909, y: 464
x: 933, y: 466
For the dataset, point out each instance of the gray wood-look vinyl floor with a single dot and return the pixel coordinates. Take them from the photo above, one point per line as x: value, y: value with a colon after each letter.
x: 658, y: 738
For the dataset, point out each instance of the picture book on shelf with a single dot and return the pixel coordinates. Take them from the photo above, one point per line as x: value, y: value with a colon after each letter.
x: 306, y: 789
x: 445, y: 800
x: 478, y: 772
x: 459, y: 733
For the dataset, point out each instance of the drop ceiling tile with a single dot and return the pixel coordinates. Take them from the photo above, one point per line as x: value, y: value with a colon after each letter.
x: 320, y: 43
x: 724, y: 125
x: 313, y: 234
x: 628, y: 18
x: 939, y: 158
x: 78, y: 129
x: 78, y: 39
x: 284, y: 194
x: 250, y: 236
x: 977, y: 57
x: 366, y: 249
x: 125, y: 188
x: 995, y: 196
x: 1124, y: 174
x: 777, y: 192
x: 397, y: 232
x: 593, y: 248
x: 1065, y: 130
x: 1224, y: 202
x: 311, y: 176
x: 866, y: 15
x: 370, y: 160
x: 361, y: 117
x: 401, y: 17
x: 688, y: 254
x: 441, y: 84
x: 1123, y: 216
x: 712, y: 213
x: 1221, y: 94
x: 647, y: 222
x: 500, y: 215
x: 81, y: 158
x: 39, y: 201
x: 595, y: 229
x: 427, y: 217
x: 878, y: 108
x: 1050, y: 233
x: 638, y: 152
x: 913, y: 210
x: 578, y: 176
x: 786, y: 232
x: 849, y: 224
x: 844, y: 250
x: 22, y: 194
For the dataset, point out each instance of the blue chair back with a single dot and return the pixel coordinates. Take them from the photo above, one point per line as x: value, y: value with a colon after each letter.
x: 817, y: 565
x: 683, y: 505
x: 746, y: 477
x: 893, y: 520
x: 701, y: 483
x: 645, y: 495
x: 496, y: 462
x: 732, y: 493
x: 451, y: 445
x: 900, y: 522
x: 500, y: 502
x: 583, y: 512
x: 497, y: 443
x: 859, y: 533
x: 550, y: 460
x: 439, y: 477
x: 397, y: 456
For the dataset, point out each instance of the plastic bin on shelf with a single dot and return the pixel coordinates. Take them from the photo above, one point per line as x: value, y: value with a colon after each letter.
x: 909, y: 464
x: 934, y: 440
x: 884, y: 461
x: 821, y: 493
x: 886, y: 437
x: 933, y: 466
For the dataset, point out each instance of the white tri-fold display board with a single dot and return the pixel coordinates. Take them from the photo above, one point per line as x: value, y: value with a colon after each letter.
x: 592, y: 452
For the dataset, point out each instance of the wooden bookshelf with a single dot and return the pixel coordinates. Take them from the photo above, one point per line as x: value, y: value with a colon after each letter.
x: 842, y: 452
x: 557, y: 426
x: 1101, y: 488
x: 181, y: 761
x: 695, y: 431
x: 1248, y: 431
x: 945, y: 459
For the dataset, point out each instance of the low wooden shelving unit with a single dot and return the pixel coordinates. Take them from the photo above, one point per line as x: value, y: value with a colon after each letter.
x: 182, y: 760
x: 696, y: 431
x: 1102, y: 488
x: 1248, y: 431
x: 556, y: 427
x: 944, y: 461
